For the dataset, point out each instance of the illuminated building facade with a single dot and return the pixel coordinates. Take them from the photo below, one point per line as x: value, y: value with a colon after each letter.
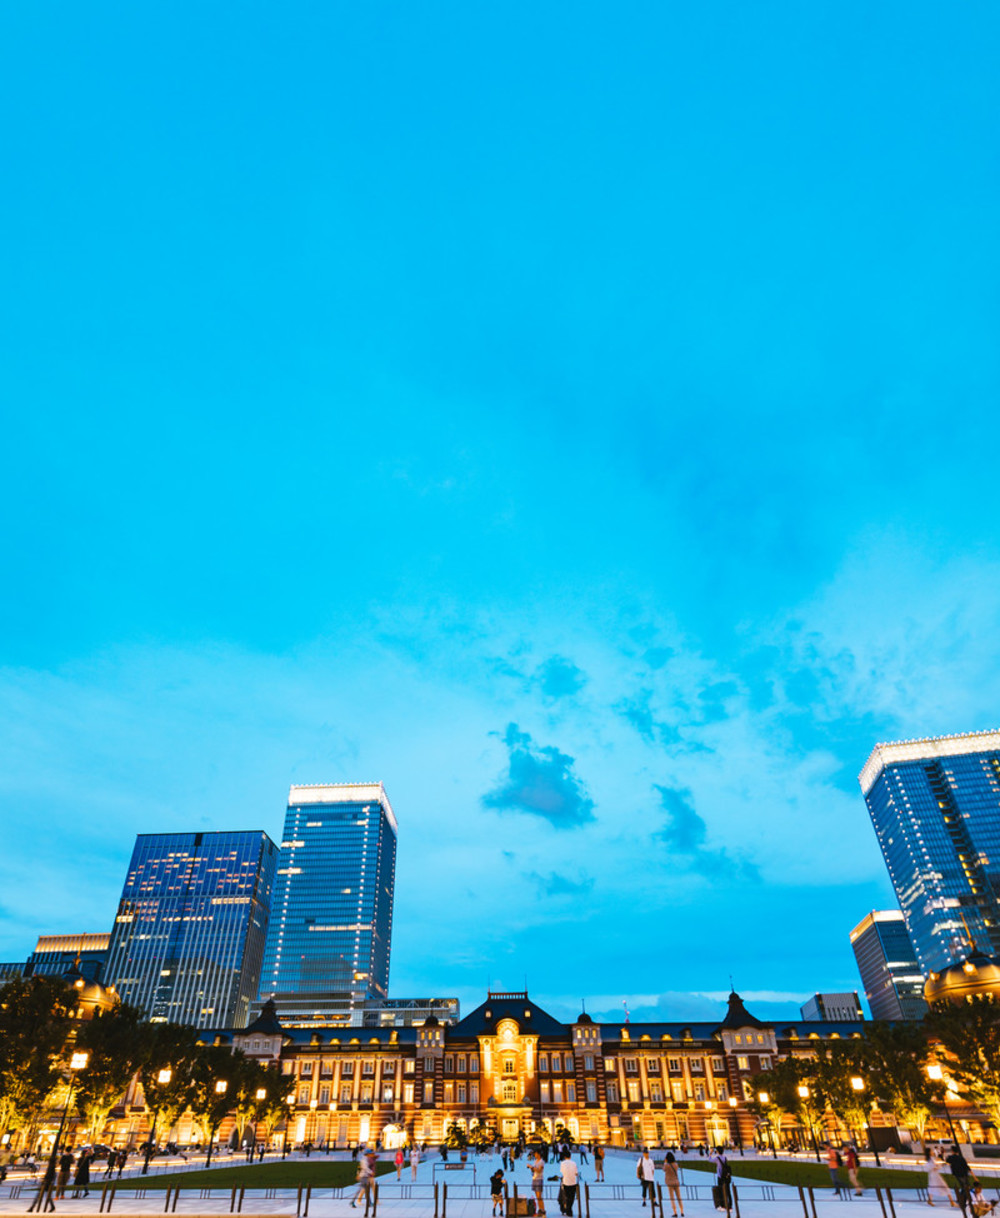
x: 327, y: 956
x: 188, y: 940
x: 935, y: 805
x: 894, y: 985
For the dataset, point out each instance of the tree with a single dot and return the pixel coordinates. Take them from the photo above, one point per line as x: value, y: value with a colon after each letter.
x: 836, y: 1065
x: 247, y: 1078
x: 116, y: 1042
x: 896, y: 1059
x: 481, y: 1136
x: 166, y: 1073
x: 35, y: 1025
x: 456, y: 1138
x: 969, y: 1034
x: 210, y: 1099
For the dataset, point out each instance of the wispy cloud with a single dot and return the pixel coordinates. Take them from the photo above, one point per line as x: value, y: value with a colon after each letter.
x: 540, y: 782
x: 556, y: 885
x: 559, y: 677
x: 685, y: 833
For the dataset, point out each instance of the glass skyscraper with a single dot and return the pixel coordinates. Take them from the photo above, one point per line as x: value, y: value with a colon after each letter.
x: 935, y: 805
x: 890, y: 973
x: 188, y: 941
x: 331, y: 923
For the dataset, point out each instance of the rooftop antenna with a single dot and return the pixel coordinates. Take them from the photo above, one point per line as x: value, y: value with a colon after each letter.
x: 584, y: 1002
x: 732, y: 984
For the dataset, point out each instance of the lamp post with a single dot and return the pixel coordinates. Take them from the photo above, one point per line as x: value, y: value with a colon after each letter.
x: 804, y: 1095
x: 290, y: 1101
x: 77, y: 1062
x: 936, y: 1075
x: 221, y: 1087
x: 736, y: 1122
x: 764, y: 1100
x: 163, y: 1077
x: 858, y: 1084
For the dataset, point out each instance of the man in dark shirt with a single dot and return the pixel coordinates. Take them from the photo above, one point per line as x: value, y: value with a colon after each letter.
x: 960, y: 1170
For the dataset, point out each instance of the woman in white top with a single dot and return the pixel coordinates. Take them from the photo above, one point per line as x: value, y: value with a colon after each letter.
x: 937, y: 1190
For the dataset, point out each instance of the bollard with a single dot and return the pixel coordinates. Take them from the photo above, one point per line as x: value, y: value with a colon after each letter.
x: 305, y: 1212
x: 878, y: 1194
x: 239, y: 1206
x: 444, y: 1201
x: 802, y: 1198
x: 587, y: 1190
x: 166, y: 1203
x: 298, y: 1202
x: 435, y: 1199
x: 111, y: 1196
x: 812, y: 1200
x: 232, y: 1199
x: 515, y: 1199
x: 579, y: 1202
x: 374, y: 1198
x: 104, y: 1194
x: 888, y: 1197
x: 177, y: 1193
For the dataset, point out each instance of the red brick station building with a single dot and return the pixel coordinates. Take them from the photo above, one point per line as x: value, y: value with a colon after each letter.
x: 514, y: 1068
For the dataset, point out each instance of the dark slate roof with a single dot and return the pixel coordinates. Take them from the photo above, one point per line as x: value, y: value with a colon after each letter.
x: 739, y: 1017
x: 267, y: 1022
x: 528, y: 1016
x: 656, y: 1031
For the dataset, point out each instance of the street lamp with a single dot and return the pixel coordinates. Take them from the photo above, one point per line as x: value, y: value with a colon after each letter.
x: 260, y: 1095
x: 164, y: 1077
x: 803, y: 1091
x: 289, y: 1100
x: 858, y: 1084
x: 936, y: 1075
x: 764, y: 1099
x: 736, y: 1121
x: 77, y: 1062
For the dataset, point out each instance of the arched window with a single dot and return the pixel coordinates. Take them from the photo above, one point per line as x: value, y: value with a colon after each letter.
x: 509, y: 1093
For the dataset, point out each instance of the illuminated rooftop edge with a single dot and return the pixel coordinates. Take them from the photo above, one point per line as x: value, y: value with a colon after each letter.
x: 927, y: 748
x: 87, y: 942
x: 876, y: 915
x: 343, y: 793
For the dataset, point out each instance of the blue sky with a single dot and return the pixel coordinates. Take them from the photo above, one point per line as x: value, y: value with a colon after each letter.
x: 580, y: 417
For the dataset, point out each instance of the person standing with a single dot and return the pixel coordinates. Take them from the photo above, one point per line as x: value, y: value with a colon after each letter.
x: 599, y: 1162
x: 583, y: 1153
x: 65, y: 1167
x: 536, y: 1165
x: 570, y: 1180
x: 82, y: 1177
x: 671, y: 1178
x: 414, y: 1160
x: 645, y: 1170
x: 834, y: 1162
x: 400, y: 1160
x: 496, y: 1192
x: 723, y: 1181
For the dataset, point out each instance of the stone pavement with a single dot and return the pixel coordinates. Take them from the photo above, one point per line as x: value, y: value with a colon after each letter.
x: 468, y: 1196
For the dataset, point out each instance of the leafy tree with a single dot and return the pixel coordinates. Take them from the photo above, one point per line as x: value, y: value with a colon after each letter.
x: 481, y: 1136
x: 896, y: 1059
x: 116, y: 1042
x: 167, y: 1072
x: 248, y: 1077
x: 216, y: 1070
x: 35, y: 1024
x: 969, y: 1034
x: 456, y: 1138
x: 836, y: 1064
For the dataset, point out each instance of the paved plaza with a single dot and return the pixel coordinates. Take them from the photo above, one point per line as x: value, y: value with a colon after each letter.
x: 468, y: 1195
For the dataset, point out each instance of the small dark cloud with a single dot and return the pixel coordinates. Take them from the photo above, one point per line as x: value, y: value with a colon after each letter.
x: 540, y: 781
x: 684, y: 832
x: 713, y: 700
x: 508, y: 855
x: 656, y: 657
x: 560, y: 678
x: 638, y: 712
x: 556, y: 885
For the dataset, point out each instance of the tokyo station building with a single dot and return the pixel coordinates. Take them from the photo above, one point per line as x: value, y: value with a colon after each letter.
x: 513, y: 1068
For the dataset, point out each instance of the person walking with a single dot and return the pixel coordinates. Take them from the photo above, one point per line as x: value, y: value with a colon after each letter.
x: 536, y: 1165
x: 645, y: 1170
x: 671, y: 1178
x: 496, y: 1192
x: 599, y: 1163
x: 963, y: 1177
x: 400, y: 1160
x: 414, y: 1160
x: 570, y: 1175
x: 937, y: 1190
x: 366, y: 1170
x: 583, y: 1153
x: 723, y: 1181
x: 852, y: 1164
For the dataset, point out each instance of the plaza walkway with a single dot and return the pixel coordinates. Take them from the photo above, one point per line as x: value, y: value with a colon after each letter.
x: 467, y: 1196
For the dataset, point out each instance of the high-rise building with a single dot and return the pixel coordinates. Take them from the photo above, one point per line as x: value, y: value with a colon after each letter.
x: 189, y: 937
x: 935, y: 805
x: 331, y: 923
x: 54, y: 954
x: 833, y: 1008
x: 894, y: 985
